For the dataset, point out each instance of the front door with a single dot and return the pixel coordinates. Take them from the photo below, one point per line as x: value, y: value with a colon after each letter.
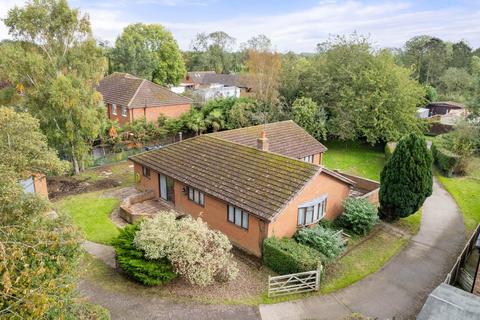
x: 166, y: 188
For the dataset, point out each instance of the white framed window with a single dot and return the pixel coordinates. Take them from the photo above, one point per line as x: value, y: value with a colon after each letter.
x: 124, y: 111
x: 114, y: 109
x: 196, y: 196
x: 312, y: 212
x: 308, y: 158
x: 146, y: 171
x: 237, y: 216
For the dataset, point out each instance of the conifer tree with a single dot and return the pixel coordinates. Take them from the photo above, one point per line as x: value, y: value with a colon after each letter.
x: 406, y: 180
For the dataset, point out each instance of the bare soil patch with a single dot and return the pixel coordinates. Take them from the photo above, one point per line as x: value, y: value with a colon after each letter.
x: 59, y: 187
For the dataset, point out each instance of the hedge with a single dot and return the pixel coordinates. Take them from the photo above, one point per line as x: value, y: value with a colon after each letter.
x: 286, y: 256
x: 132, y: 261
x: 445, y: 160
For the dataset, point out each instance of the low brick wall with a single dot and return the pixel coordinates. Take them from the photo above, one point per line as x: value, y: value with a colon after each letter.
x: 125, y: 211
x: 370, y: 188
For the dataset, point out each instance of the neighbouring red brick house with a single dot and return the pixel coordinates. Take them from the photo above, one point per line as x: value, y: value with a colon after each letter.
x: 129, y: 98
x: 247, y: 192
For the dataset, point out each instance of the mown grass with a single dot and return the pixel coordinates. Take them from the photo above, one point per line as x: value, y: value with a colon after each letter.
x: 90, y: 212
x: 410, y: 224
x: 466, y: 192
x: 355, y: 158
x: 368, y: 257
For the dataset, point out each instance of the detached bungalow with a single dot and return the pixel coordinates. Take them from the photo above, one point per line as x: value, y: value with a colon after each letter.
x: 247, y: 192
x: 128, y: 98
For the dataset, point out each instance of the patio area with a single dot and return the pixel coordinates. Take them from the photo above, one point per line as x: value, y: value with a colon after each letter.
x: 140, y: 204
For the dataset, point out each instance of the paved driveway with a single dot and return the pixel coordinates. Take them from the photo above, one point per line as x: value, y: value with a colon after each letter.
x: 124, y: 306
x: 402, y: 286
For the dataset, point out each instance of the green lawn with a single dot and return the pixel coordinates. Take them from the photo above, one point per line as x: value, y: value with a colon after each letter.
x: 466, y: 192
x: 410, y: 224
x: 355, y: 158
x: 91, y: 213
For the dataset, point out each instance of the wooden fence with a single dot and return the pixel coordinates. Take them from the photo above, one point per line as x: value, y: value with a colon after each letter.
x: 294, y: 283
x: 453, y: 275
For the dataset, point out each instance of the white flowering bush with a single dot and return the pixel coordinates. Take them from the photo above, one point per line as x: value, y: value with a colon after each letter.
x: 198, y: 254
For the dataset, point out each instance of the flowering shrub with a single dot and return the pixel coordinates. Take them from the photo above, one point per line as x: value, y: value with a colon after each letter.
x: 198, y: 254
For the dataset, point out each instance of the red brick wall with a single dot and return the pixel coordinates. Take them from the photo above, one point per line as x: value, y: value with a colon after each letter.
x: 121, y: 119
x: 152, y: 113
x: 336, y: 190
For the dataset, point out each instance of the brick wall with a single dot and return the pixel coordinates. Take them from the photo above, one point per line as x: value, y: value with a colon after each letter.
x: 121, y: 119
x: 336, y: 190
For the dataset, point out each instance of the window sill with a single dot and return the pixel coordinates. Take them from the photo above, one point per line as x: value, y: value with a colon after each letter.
x: 309, y: 224
x: 237, y: 226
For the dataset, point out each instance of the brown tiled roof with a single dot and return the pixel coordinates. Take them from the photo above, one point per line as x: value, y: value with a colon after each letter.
x: 261, y: 183
x: 448, y: 104
x: 209, y: 77
x: 123, y: 89
x: 285, y: 137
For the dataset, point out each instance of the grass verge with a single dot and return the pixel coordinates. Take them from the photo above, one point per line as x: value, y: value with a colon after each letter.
x: 466, y: 193
x: 90, y: 213
x: 367, y: 258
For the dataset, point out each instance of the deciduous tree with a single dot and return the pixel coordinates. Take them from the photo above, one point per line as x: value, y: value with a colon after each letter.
x: 58, y: 63
x: 148, y: 51
x: 311, y: 117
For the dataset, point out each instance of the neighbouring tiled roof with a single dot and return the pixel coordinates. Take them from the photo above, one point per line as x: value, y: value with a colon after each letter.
x: 209, y: 77
x: 261, y: 183
x: 127, y: 90
x: 285, y: 137
x: 449, y: 104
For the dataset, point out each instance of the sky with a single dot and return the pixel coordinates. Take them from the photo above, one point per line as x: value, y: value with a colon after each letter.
x: 291, y: 25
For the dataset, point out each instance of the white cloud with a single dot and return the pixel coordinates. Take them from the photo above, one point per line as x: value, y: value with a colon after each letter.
x: 389, y: 24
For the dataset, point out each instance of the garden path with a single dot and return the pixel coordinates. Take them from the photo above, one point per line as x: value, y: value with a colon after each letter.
x: 401, y: 287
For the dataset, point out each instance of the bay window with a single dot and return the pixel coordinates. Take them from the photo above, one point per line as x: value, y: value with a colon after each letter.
x: 312, y: 212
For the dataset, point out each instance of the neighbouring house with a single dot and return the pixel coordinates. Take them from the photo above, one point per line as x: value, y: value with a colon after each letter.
x: 423, y: 113
x: 209, y: 84
x: 247, y: 192
x: 215, y: 92
x: 445, y: 107
x: 285, y: 137
x: 129, y: 98
x: 36, y: 183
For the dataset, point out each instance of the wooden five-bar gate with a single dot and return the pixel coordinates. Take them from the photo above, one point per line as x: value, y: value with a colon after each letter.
x: 294, y: 283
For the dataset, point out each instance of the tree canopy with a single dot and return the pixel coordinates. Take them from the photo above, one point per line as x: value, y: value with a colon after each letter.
x: 365, y: 93
x: 56, y: 60
x: 148, y: 51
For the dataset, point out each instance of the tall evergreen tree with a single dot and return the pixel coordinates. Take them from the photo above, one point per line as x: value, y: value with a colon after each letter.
x: 406, y: 180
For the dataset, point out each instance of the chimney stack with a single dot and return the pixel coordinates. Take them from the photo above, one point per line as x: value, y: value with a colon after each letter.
x: 262, y: 141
